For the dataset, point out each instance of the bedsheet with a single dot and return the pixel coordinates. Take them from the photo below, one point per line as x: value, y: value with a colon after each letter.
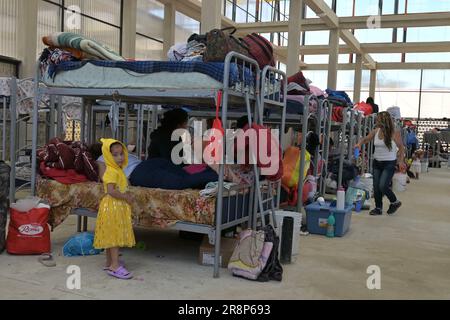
x: 151, y: 208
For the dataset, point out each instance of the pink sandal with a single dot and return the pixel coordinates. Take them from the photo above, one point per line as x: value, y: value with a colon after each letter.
x: 121, y: 273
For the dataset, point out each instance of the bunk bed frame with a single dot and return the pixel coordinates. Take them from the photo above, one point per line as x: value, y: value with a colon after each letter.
x: 202, y: 97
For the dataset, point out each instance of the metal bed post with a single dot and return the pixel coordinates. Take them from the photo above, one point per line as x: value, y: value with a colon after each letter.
x: 326, y: 146
x: 318, y: 132
x: 59, y: 118
x: 351, y: 135
x: 282, y: 103
x: 342, y: 147
x: 12, y: 148
x: 370, y: 145
x: 125, y: 127
x: 4, y: 129
x: 363, y: 151
x: 35, y: 130
x: 83, y: 121
x: 303, y: 154
x: 51, y: 132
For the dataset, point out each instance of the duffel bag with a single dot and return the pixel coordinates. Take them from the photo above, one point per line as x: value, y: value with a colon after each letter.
x: 260, y: 49
x: 220, y: 42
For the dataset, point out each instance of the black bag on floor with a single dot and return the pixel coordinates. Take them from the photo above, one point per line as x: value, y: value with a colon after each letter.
x: 273, y: 269
x: 4, y: 202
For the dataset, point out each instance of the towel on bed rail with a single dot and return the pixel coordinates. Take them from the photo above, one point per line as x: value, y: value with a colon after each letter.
x: 213, y: 69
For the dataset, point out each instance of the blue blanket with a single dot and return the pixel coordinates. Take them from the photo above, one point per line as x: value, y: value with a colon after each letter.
x: 213, y: 69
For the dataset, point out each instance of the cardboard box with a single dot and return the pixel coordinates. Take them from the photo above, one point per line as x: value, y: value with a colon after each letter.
x: 206, y: 252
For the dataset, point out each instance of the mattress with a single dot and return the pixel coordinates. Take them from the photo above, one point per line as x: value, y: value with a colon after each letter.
x: 151, y: 208
x: 92, y: 76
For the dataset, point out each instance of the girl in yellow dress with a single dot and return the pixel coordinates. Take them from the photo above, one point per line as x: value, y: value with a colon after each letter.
x: 114, y: 228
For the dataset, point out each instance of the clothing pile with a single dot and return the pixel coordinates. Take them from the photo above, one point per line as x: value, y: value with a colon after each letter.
x: 298, y: 88
x: 67, y: 162
x: 340, y: 101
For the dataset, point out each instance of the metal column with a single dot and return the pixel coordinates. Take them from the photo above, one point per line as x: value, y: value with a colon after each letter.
x: 327, y: 106
x: 342, y: 147
x: 4, y: 130
x: 303, y: 154
x: 351, y: 135
x: 12, y: 148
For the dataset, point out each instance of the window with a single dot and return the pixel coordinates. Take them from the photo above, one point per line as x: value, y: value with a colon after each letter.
x: 100, y: 20
x: 149, y: 28
x: 8, y: 16
x: 185, y: 27
x: 148, y: 49
x: 420, y: 6
x: 428, y: 34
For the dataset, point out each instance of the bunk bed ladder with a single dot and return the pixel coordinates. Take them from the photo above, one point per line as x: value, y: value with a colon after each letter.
x: 258, y: 186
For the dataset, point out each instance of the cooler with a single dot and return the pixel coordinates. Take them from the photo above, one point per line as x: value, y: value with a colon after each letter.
x: 317, y: 218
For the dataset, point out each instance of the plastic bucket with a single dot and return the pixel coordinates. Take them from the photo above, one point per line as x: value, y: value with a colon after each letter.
x: 399, y: 182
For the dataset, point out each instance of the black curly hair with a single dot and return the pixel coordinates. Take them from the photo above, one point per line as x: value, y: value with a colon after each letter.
x: 173, y: 119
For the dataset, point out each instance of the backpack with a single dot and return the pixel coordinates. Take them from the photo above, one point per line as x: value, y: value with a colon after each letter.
x: 260, y: 49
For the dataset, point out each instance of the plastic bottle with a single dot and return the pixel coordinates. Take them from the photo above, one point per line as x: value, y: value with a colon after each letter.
x: 340, y: 203
x: 358, y: 204
x: 330, y: 228
x: 356, y: 153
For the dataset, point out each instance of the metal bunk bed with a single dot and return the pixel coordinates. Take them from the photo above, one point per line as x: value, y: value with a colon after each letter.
x: 232, y: 96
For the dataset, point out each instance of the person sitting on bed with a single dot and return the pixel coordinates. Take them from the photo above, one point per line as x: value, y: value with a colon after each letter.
x: 96, y: 152
x: 161, y: 144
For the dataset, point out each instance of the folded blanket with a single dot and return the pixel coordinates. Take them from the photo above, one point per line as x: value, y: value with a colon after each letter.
x: 66, y: 40
x: 213, y: 69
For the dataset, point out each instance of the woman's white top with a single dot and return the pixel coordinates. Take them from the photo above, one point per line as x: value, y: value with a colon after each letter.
x: 382, y: 152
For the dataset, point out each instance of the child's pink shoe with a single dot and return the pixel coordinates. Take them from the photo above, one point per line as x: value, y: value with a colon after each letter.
x: 121, y: 273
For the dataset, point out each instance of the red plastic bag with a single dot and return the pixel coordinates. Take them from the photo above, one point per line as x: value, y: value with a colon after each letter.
x: 28, y: 233
x: 217, y: 129
x: 364, y: 107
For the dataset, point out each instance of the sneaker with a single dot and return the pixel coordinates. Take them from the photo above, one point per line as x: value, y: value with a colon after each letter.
x: 394, y: 207
x: 376, y: 212
x: 304, y: 231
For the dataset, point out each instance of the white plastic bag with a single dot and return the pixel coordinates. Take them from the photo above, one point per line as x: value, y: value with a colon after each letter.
x: 25, y: 205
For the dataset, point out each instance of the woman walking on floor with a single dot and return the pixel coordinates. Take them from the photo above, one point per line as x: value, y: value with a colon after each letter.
x: 389, y: 150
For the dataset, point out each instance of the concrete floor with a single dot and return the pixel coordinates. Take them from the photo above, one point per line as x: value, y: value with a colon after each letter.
x: 412, y: 249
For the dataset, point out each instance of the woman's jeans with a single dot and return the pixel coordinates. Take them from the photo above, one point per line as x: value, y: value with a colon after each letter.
x: 383, y: 171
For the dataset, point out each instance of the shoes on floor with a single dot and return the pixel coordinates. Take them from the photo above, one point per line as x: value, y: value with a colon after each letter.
x: 376, y: 212
x: 394, y: 207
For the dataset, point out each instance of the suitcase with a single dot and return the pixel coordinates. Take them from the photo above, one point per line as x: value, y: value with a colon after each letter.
x: 4, y: 202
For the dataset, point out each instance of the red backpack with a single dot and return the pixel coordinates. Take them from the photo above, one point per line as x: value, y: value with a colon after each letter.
x: 260, y: 49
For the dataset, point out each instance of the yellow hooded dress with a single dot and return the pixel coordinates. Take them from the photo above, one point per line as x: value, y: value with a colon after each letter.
x: 114, y: 228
